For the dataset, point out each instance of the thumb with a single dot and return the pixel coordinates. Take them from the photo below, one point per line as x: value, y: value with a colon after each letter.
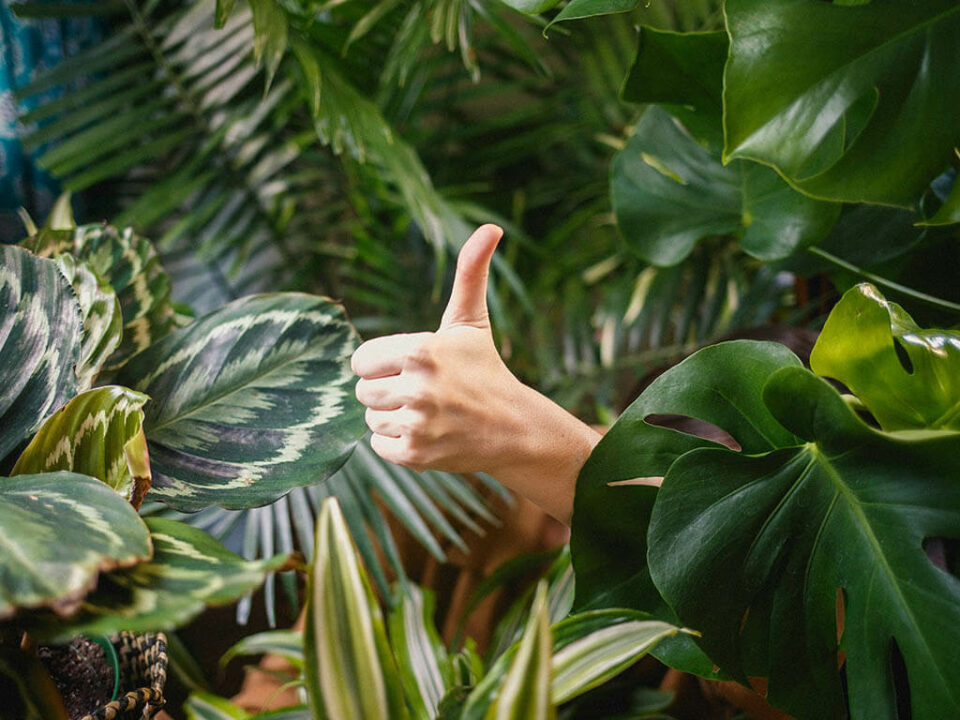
x: 468, y: 299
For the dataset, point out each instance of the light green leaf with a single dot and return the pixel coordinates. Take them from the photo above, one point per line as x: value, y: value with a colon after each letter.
x: 593, y: 647
x: 40, y: 339
x: 909, y: 378
x: 287, y: 644
x: 189, y: 570
x: 130, y: 265
x: 207, y: 706
x: 530, y: 7
x: 669, y: 192
x: 837, y: 97
x: 99, y: 433
x: 102, y: 318
x: 250, y: 401
x: 270, y: 38
x: 781, y: 538
x: 224, y: 8
x: 349, y: 670
x: 58, y: 531
x: 61, y: 216
x: 418, y: 649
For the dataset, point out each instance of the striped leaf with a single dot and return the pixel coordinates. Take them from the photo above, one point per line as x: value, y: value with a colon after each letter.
x: 350, y: 672
x: 418, y: 649
x: 99, y: 433
x: 57, y: 532
x: 592, y: 647
x: 206, y: 706
x: 288, y: 644
x: 102, y: 319
x: 525, y: 691
x: 250, y: 401
x: 130, y: 264
x: 189, y: 570
x: 40, y: 336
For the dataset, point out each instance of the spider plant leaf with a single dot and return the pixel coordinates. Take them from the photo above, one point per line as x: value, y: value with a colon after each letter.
x: 99, y: 433
x: 287, y: 644
x: 189, y: 571
x: 250, y: 401
x: 418, y: 649
x: 207, y: 706
x: 61, y: 530
x: 350, y: 671
x: 41, y: 334
x: 130, y: 264
x: 908, y: 377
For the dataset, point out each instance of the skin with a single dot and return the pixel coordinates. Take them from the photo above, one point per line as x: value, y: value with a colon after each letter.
x: 445, y: 400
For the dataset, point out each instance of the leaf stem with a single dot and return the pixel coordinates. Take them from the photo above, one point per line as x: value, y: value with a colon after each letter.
x: 883, y: 282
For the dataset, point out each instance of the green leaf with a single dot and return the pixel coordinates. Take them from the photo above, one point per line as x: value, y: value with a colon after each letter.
x: 102, y: 318
x: 270, y: 38
x: 26, y: 688
x: 40, y: 339
x: 949, y: 212
x: 721, y: 385
x: 782, y: 538
x: 350, y: 672
x: 531, y: 7
x: 579, y: 9
x: 288, y: 644
x: 99, y: 433
x: 250, y: 401
x: 59, y: 531
x: 207, y: 706
x: 224, y: 8
x: 189, y: 570
x: 130, y: 264
x: 524, y: 693
x: 837, y: 96
x: 418, y: 649
x: 669, y: 192
x: 909, y: 378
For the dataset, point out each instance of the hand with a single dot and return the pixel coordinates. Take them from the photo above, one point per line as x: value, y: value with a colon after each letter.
x: 446, y: 401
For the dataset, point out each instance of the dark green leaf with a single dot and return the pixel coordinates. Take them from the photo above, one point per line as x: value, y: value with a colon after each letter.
x: 59, y: 531
x: 249, y: 401
x: 909, y: 378
x: 26, y: 688
x: 837, y: 96
x: 579, y: 9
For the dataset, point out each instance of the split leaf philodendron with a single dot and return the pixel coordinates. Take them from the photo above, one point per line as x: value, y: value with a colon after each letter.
x: 809, y: 517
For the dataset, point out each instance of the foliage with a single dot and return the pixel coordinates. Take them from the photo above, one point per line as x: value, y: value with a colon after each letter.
x: 808, y: 510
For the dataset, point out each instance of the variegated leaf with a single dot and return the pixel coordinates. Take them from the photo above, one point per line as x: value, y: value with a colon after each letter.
x: 288, y: 644
x: 40, y: 336
x: 250, y: 401
x: 102, y: 319
x: 349, y: 670
x: 592, y: 647
x: 418, y: 649
x: 131, y: 266
x: 189, y: 570
x: 98, y: 433
x: 57, y: 532
x: 206, y: 706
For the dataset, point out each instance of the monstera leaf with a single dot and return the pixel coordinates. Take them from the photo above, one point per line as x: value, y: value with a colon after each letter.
x: 98, y: 433
x: 189, y: 570
x: 909, y: 378
x: 804, y: 543
x: 102, y: 319
x: 250, y: 401
x: 838, y: 96
x: 669, y: 192
x: 58, y: 531
x: 40, y: 336
x: 129, y: 263
x: 720, y: 385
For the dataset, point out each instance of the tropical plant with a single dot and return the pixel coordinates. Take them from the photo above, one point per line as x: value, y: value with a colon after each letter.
x: 351, y: 662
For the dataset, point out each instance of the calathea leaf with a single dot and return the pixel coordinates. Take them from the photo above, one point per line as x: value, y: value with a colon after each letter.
x: 349, y: 669
x: 102, y: 319
x: 58, y: 531
x: 721, y: 385
x: 836, y: 96
x: 130, y: 264
x: 669, y: 192
x: 784, y: 539
x: 189, y: 570
x: 909, y: 378
x: 99, y: 433
x: 40, y: 338
x: 250, y: 401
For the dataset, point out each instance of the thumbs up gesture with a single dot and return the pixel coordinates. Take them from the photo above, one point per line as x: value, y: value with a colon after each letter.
x: 446, y: 401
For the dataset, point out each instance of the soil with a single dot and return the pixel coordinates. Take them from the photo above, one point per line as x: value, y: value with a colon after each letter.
x: 81, y: 673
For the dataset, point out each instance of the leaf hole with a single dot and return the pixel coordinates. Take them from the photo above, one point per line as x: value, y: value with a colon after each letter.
x: 694, y: 426
x: 903, y: 356
x: 651, y: 481
x: 901, y: 683
x: 944, y: 553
